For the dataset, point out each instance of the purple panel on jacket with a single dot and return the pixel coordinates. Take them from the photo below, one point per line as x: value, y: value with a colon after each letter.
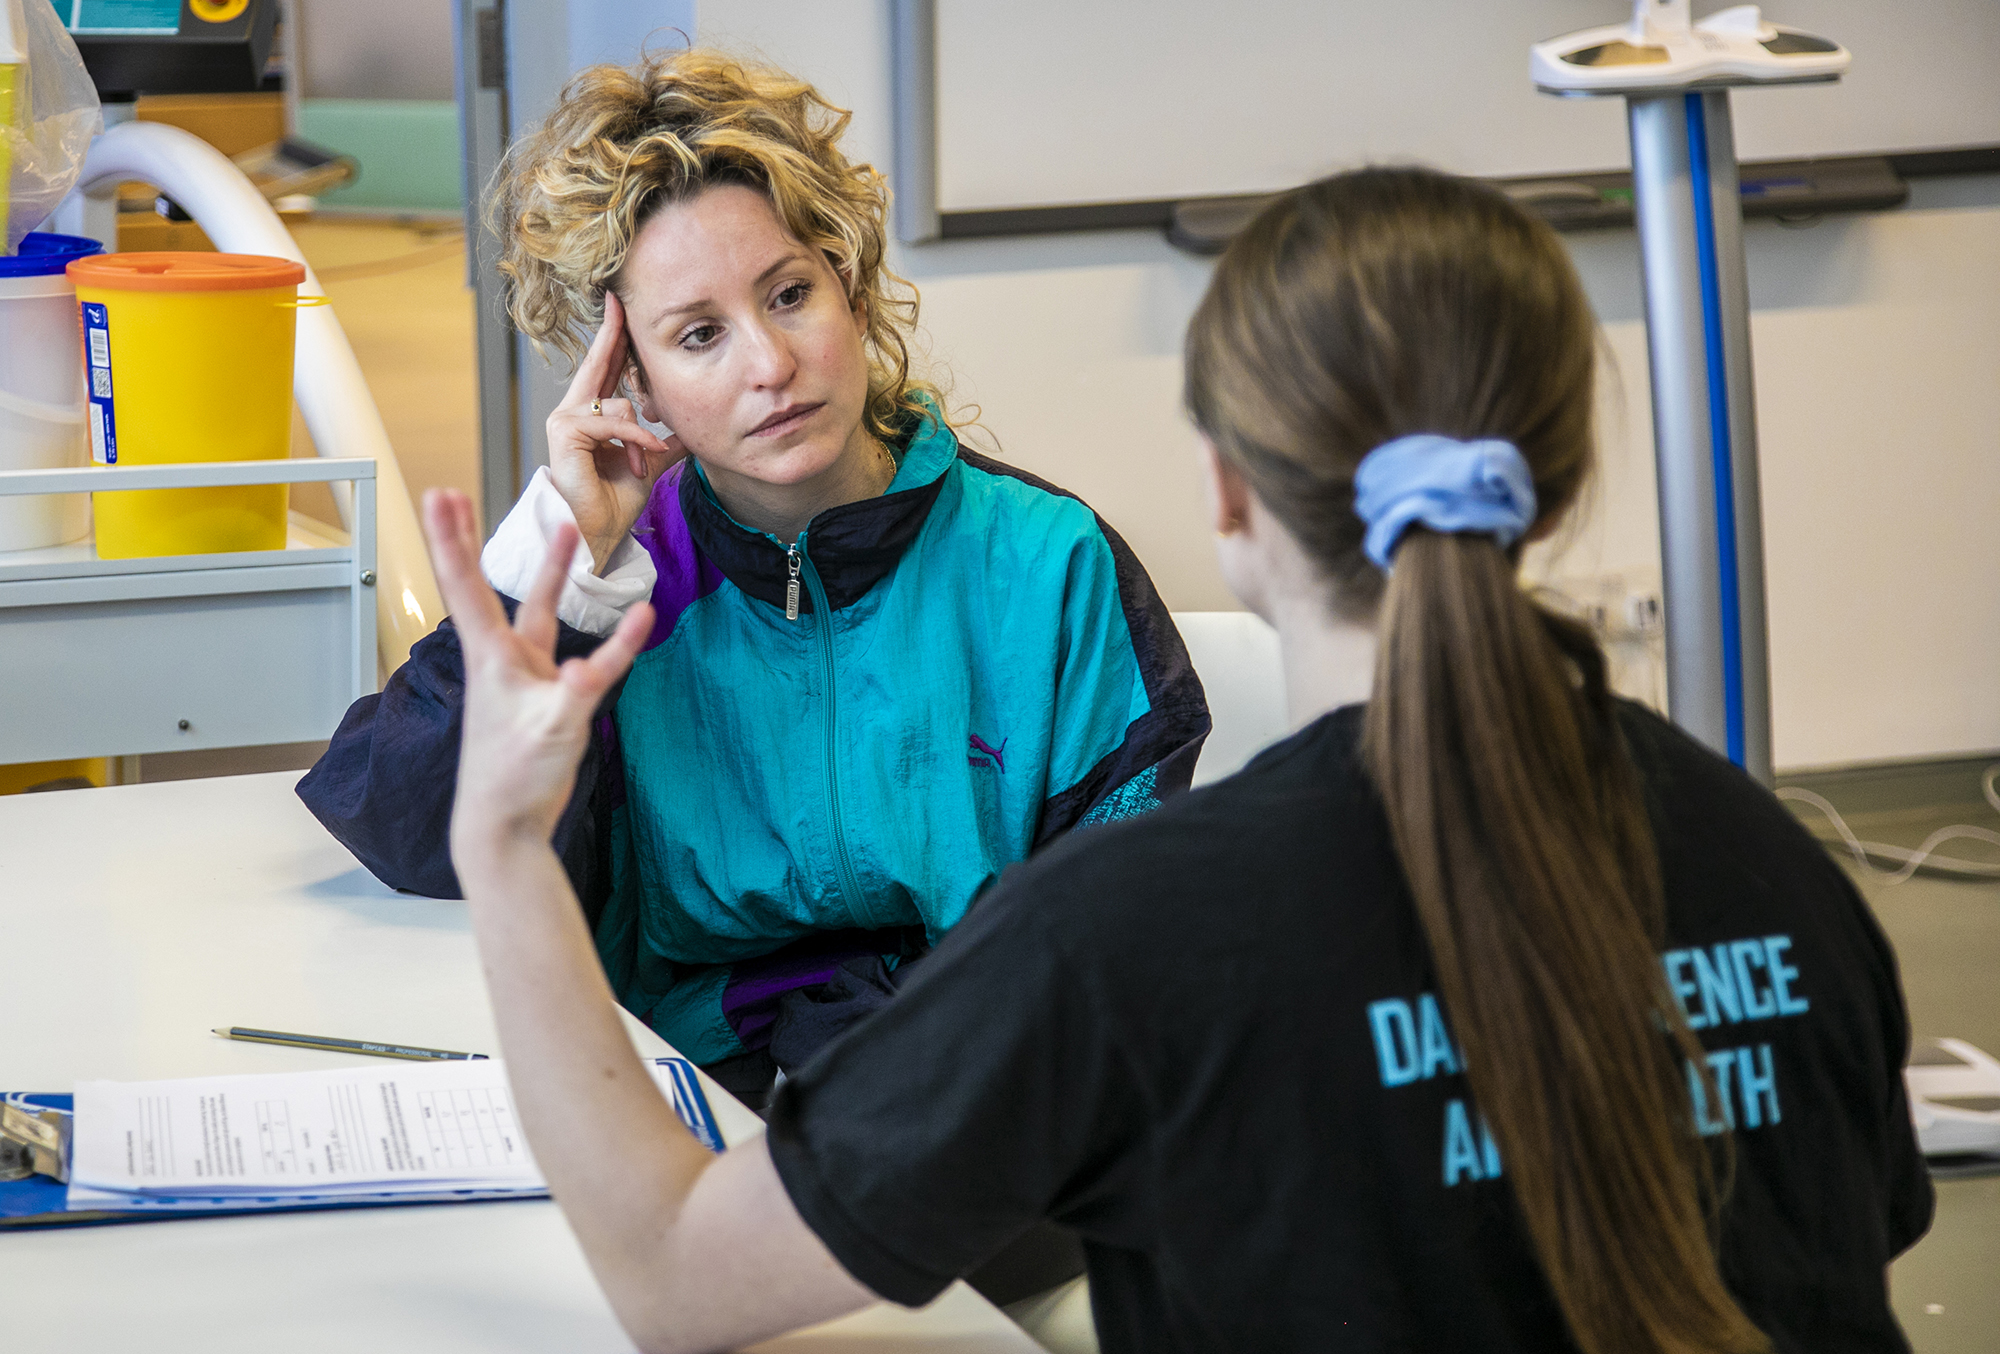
x: 750, y: 1001
x: 685, y: 575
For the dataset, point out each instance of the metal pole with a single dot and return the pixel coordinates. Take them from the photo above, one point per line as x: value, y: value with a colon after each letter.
x: 1698, y: 329
x: 482, y: 110
x: 292, y: 48
x: 913, y: 64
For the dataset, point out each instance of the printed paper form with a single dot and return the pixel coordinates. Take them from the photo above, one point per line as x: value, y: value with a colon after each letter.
x: 347, y: 1128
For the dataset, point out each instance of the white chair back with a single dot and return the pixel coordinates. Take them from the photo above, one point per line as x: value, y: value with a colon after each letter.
x: 1236, y: 656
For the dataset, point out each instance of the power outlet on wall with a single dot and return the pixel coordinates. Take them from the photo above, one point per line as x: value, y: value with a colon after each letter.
x: 1643, y: 615
x: 1625, y: 613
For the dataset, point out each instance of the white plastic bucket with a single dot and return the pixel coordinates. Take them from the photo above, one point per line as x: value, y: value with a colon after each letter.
x: 41, y: 407
x: 37, y: 436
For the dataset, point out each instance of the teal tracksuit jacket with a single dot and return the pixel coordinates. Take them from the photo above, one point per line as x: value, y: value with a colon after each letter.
x: 828, y: 745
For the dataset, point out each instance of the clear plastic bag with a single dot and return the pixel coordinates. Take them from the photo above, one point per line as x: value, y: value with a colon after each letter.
x: 48, y: 123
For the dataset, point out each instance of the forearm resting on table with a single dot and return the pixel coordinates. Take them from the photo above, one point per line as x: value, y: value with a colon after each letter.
x: 694, y: 1251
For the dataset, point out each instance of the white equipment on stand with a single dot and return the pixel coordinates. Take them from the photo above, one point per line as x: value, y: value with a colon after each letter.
x: 1675, y: 76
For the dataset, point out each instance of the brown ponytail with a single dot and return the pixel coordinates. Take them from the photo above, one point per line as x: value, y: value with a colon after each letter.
x: 1396, y: 301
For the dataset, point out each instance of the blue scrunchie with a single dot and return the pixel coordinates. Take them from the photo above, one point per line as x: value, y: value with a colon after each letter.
x: 1447, y: 485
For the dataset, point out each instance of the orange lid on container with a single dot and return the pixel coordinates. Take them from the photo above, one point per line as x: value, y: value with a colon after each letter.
x: 175, y: 271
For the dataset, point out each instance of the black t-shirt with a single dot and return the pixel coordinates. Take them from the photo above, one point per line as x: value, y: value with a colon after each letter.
x: 1206, y: 1041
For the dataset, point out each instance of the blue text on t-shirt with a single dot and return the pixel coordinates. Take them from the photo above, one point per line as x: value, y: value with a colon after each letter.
x: 1728, y: 983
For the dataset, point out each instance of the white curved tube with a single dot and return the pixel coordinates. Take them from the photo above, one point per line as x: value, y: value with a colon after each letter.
x: 326, y: 380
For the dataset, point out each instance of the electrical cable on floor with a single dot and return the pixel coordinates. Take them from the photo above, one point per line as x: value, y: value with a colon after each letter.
x: 1923, y: 859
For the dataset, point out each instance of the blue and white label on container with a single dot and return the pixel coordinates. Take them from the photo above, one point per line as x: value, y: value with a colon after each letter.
x: 97, y: 359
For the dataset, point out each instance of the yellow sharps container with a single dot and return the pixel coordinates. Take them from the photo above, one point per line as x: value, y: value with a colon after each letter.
x: 188, y: 357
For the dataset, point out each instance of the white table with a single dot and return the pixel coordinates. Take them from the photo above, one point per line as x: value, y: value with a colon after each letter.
x: 135, y: 919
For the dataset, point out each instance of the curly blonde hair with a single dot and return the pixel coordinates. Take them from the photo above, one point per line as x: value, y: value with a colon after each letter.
x: 625, y: 142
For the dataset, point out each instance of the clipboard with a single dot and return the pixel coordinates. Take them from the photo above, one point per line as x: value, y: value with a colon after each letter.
x: 38, y: 1201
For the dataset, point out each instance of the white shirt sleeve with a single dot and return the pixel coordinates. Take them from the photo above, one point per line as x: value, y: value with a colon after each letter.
x: 590, y: 603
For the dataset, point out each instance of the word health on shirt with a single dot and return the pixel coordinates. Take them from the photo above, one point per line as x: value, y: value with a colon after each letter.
x: 1732, y: 983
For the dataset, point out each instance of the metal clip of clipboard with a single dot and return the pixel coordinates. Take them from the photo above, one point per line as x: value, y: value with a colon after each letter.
x: 34, y: 1140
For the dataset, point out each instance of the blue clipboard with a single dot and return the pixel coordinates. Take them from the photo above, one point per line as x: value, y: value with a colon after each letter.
x: 39, y: 1201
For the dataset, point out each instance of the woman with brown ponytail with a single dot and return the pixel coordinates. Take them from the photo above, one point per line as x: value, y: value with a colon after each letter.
x: 1492, y: 1014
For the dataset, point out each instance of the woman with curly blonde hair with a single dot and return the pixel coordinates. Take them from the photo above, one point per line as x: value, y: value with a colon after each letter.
x: 882, y: 667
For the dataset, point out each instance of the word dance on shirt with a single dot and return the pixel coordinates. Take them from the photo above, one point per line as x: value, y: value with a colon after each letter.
x: 1736, y: 982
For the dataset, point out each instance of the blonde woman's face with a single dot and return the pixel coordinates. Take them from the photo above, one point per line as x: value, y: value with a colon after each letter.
x: 751, y: 351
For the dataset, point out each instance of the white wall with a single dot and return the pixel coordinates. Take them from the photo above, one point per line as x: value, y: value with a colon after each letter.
x: 1877, y: 346
x: 1025, y: 117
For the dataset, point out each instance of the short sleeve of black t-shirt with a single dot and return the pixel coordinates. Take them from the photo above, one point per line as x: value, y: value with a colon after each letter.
x: 995, y: 1034
x: 1206, y: 1040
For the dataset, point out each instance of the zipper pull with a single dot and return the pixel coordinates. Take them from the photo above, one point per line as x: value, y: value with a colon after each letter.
x: 792, y: 586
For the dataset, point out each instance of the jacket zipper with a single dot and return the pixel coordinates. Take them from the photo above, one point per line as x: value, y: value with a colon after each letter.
x: 797, y: 559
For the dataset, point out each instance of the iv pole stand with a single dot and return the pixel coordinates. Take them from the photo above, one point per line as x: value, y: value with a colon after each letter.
x: 1690, y: 221
x: 1675, y: 77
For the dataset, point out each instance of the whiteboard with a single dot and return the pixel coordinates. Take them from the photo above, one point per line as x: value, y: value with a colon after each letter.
x: 1050, y: 102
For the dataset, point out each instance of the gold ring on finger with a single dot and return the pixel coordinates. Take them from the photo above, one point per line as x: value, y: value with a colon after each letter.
x: 597, y: 406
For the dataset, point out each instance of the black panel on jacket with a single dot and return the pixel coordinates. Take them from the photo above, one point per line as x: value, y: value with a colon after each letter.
x: 397, y: 823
